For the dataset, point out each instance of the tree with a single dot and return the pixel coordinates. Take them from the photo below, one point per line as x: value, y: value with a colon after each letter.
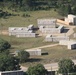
x: 8, y: 63
x: 37, y: 70
x: 23, y: 56
x: 4, y: 45
x: 66, y: 66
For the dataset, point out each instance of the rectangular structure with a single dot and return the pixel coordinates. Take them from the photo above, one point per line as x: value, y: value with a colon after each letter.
x: 26, y: 35
x: 22, y: 31
x: 71, y: 44
x: 18, y: 72
x: 46, y: 30
x: 34, y: 51
x: 71, y: 19
x: 46, y: 22
x: 50, y: 38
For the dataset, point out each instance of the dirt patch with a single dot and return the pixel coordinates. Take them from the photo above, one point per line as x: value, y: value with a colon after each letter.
x: 4, y: 32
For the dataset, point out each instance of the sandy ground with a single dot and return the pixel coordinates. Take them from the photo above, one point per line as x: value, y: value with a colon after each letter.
x: 4, y: 32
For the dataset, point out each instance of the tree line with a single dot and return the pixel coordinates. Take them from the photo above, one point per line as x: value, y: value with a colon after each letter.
x: 69, y: 6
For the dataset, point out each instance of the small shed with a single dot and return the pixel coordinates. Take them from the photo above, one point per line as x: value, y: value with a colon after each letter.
x: 34, y: 51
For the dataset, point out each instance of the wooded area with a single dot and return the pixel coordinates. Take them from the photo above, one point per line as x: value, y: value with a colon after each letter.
x: 69, y: 6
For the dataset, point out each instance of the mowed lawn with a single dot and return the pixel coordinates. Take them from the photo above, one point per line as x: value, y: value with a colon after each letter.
x: 54, y: 55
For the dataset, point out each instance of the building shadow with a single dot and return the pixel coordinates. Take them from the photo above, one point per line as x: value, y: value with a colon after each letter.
x: 34, y: 60
x: 65, y: 30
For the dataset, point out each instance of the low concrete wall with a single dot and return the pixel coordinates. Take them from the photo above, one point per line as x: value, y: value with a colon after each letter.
x: 51, y: 30
x: 18, y: 72
x: 56, y: 39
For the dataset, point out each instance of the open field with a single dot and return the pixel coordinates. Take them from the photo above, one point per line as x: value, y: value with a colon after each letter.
x: 25, y: 43
x: 54, y: 54
x: 25, y: 21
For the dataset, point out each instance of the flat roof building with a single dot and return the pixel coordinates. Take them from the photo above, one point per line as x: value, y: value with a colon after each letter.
x: 49, y: 30
x: 22, y: 31
x: 46, y: 22
x: 71, y: 44
x: 71, y: 19
x: 36, y: 52
x: 50, y: 38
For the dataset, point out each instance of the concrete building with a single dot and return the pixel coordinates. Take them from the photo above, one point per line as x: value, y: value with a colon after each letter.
x: 71, y: 44
x: 22, y: 31
x: 50, y: 38
x: 46, y: 22
x: 48, y: 30
x: 18, y: 72
x: 34, y: 51
x: 71, y: 19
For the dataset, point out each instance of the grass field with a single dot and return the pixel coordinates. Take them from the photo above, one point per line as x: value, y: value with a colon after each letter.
x: 25, y: 43
x: 25, y: 21
x: 54, y: 55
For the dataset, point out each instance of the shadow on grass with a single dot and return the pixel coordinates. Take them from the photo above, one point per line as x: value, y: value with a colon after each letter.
x: 34, y: 60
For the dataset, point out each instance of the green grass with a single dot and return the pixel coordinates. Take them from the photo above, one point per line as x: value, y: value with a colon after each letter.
x: 54, y: 55
x: 25, y: 21
x: 25, y: 43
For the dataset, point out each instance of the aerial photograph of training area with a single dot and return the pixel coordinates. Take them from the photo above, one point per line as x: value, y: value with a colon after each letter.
x: 37, y: 37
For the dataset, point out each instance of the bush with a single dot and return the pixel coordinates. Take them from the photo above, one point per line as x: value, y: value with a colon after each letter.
x: 23, y: 56
x: 4, y: 45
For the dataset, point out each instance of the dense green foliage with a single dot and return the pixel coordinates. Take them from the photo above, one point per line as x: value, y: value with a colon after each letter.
x: 23, y: 56
x: 4, y: 45
x: 37, y: 70
x: 8, y: 63
x: 66, y: 66
x: 69, y: 6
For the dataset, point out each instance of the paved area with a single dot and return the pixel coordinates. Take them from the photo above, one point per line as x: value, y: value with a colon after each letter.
x: 51, y: 66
